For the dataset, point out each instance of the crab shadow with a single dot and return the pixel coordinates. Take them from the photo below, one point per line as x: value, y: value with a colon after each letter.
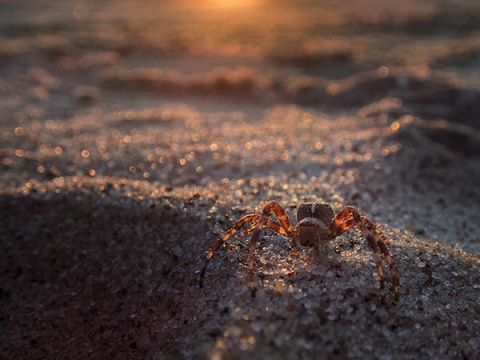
x: 117, y: 276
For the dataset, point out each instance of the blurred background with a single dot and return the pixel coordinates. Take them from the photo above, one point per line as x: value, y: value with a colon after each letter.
x: 312, y: 38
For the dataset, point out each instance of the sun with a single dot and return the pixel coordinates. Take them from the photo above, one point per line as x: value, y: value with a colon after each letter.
x: 230, y: 4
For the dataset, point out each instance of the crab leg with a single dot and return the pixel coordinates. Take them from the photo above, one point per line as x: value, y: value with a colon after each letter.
x: 376, y: 240
x: 270, y: 208
x: 272, y: 225
x: 381, y: 240
x: 223, y: 239
x: 283, y: 229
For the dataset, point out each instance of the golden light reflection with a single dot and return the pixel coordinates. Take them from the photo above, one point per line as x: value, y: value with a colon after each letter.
x: 395, y: 126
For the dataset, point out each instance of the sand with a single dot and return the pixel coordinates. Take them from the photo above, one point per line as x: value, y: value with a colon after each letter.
x: 133, y: 135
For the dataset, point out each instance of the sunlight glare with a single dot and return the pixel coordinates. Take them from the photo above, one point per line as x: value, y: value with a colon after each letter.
x: 233, y: 4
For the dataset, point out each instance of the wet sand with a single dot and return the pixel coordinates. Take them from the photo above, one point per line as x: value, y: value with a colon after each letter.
x: 132, y: 136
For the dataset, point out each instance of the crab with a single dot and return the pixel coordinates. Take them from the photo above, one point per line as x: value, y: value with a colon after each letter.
x: 316, y: 223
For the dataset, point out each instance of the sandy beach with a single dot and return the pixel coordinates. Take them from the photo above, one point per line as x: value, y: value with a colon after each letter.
x: 133, y: 135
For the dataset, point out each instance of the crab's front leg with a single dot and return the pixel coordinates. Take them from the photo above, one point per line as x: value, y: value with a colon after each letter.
x: 381, y: 240
x: 224, y: 239
x: 348, y: 218
x: 271, y: 208
x: 275, y: 227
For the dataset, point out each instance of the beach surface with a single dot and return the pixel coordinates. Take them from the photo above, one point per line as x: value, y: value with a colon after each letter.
x: 133, y: 135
